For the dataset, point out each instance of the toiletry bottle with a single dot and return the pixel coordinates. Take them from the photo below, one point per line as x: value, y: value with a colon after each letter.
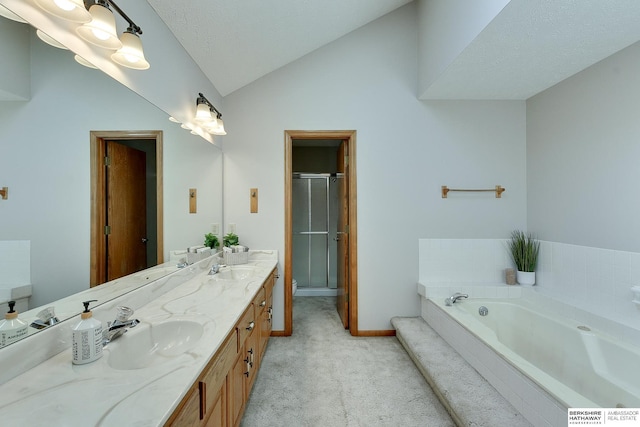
x: 12, y: 329
x: 87, y: 338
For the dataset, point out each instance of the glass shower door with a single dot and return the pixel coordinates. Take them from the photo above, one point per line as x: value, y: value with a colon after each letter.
x: 311, y: 230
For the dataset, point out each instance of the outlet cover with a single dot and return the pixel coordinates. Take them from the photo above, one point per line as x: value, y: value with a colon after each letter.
x: 215, y: 229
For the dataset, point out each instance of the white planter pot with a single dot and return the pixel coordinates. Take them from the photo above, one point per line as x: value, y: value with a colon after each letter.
x: 526, y: 278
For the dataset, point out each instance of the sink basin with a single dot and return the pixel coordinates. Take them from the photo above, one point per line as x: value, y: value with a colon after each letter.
x: 234, y: 272
x: 150, y: 345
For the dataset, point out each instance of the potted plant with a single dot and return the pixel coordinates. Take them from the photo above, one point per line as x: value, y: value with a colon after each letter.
x: 524, y: 250
x: 211, y: 241
x: 230, y: 239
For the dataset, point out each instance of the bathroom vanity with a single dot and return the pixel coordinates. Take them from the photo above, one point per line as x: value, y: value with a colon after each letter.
x: 191, y: 361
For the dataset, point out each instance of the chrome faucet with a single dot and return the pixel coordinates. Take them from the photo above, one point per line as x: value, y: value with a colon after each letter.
x: 455, y: 297
x: 119, y: 326
x: 214, y: 269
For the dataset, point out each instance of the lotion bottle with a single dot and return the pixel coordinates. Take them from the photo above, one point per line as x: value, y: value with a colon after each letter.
x: 86, y: 344
x: 12, y: 329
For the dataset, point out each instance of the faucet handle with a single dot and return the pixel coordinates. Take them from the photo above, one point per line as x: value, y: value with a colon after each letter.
x: 124, y: 313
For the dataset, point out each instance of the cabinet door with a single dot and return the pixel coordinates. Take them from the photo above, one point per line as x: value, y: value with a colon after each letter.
x: 235, y: 382
x: 217, y: 410
x: 189, y: 414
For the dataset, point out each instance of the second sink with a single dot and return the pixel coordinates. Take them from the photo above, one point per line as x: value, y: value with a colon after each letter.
x: 150, y: 345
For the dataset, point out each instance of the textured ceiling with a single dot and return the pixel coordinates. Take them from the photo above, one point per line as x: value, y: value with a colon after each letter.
x: 530, y: 46
x: 238, y: 41
x: 533, y: 44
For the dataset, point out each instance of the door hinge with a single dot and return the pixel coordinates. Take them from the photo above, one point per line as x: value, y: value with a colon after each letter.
x: 107, y: 161
x: 346, y: 228
x: 107, y: 230
x: 346, y: 160
x: 346, y: 297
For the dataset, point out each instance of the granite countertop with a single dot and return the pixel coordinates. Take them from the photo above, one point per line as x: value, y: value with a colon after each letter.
x: 56, y: 392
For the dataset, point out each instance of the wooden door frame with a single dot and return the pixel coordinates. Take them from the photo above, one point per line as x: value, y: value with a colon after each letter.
x: 289, y: 136
x: 97, y: 249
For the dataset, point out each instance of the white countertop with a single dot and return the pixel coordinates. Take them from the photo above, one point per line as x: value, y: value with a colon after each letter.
x: 58, y: 393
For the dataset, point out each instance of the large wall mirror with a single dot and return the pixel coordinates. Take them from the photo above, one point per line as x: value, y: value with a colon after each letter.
x: 45, y: 163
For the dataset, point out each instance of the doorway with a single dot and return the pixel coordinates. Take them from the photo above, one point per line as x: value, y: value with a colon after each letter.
x: 341, y: 236
x: 126, y: 203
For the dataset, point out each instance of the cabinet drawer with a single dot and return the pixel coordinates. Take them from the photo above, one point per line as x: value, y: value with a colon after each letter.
x: 259, y: 303
x: 246, y: 324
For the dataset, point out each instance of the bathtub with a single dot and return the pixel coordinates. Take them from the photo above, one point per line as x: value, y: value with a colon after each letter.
x: 542, y: 363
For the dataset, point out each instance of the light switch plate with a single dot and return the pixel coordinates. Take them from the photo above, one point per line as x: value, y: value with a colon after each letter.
x: 215, y: 229
x: 232, y: 228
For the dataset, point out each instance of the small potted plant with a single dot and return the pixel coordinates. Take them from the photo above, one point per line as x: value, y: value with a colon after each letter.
x: 231, y: 239
x: 524, y: 250
x: 211, y: 241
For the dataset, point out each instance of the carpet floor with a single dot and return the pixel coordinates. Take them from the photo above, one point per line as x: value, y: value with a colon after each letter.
x: 323, y: 376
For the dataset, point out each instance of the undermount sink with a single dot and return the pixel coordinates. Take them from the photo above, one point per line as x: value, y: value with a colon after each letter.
x: 234, y: 272
x: 153, y: 344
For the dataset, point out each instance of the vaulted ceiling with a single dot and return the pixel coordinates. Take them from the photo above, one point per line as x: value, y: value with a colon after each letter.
x: 530, y: 46
x: 236, y: 42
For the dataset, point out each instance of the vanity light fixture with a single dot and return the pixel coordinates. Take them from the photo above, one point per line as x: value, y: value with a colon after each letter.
x: 101, y: 30
x: 212, y: 123
x: 131, y: 54
x: 70, y: 10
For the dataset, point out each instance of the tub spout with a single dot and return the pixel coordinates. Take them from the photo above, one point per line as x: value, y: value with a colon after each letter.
x: 455, y: 297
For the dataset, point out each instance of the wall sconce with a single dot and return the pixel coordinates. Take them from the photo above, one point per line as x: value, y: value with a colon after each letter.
x: 211, y: 123
x: 99, y: 28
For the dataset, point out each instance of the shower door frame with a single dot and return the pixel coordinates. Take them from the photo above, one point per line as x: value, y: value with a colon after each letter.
x: 352, y: 285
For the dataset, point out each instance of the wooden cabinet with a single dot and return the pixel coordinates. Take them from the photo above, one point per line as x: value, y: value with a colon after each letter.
x: 267, y: 314
x: 188, y: 415
x: 219, y: 396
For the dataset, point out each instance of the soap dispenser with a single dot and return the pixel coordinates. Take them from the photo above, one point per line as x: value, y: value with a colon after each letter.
x: 86, y: 344
x: 12, y: 329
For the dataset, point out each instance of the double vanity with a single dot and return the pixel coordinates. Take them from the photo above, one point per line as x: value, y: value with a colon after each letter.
x: 190, y: 361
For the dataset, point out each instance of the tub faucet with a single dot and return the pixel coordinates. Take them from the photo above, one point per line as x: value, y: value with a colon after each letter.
x: 455, y: 297
x: 119, y: 326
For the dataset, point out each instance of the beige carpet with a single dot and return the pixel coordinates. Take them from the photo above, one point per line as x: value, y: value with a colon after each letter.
x: 322, y: 376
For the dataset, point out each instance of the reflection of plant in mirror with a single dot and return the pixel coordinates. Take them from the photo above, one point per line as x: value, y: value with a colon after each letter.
x: 230, y: 239
x: 211, y: 240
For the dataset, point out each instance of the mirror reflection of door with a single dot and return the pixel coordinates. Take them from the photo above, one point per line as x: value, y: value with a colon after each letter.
x: 126, y: 203
x: 126, y: 210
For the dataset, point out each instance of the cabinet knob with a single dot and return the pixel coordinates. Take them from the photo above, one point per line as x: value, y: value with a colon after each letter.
x: 251, y: 326
x: 263, y: 303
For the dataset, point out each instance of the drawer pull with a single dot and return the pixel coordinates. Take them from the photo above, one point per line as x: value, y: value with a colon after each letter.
x: 263, y: 303
x: 251, y: 326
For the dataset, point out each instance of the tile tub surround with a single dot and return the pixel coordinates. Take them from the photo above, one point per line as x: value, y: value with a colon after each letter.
x: 590, y: 282
x: 95, y: 394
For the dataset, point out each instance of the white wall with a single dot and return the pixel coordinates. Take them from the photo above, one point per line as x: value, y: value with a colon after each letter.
x: 14, y: 81
x: 45, y: 164
x: 446, y: 28
x: 582, y: 156
x: 406, y: 149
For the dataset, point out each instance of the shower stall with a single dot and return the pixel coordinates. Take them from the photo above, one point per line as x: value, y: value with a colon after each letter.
x: 315, y: 218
